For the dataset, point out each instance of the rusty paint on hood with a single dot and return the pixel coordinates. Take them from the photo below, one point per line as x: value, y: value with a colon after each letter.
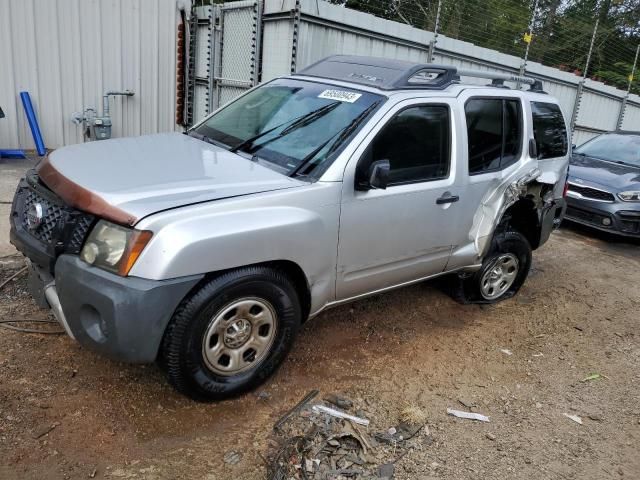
x: 79, y: 197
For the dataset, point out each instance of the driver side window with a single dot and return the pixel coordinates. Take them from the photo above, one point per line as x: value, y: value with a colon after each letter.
x: 417, y: 144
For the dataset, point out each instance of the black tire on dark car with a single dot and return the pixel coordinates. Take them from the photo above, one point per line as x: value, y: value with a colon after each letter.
x: 503, y: 271
x: 231, y: 334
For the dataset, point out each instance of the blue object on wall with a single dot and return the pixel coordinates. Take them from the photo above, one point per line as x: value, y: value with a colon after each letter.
x: 33, y: 123
x: 12, y: 154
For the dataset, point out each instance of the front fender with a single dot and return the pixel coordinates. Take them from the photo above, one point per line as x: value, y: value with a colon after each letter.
x: 230, y: 234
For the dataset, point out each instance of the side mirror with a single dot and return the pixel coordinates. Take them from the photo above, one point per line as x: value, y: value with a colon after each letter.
x: 533, y: 148
x: 378, y: 175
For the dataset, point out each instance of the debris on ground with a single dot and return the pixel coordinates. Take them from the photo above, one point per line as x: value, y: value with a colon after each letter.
x: 575, y: 418
x: 339, y: 414
x: 44, y: 429
x: 506, y: 351
x: 232, y: 457
x: 338, y: 401
x: 467, y: 415
x: 323, y: 443
x: 299, y: 406
x: 414, y: 415
x: 466, y: 403
x: 593, y: 376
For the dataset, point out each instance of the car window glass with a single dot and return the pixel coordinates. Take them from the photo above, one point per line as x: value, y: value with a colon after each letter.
x: 615, y: 147
x: 484, y: 129
x: 512, y: 132
x: 549, y: 130
x: 417, y: 144
x: 281, y: 123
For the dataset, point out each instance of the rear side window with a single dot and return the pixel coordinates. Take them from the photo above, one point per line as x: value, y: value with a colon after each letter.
x: 549, y: 130
x: 417, y: 144
x: 494, y: 131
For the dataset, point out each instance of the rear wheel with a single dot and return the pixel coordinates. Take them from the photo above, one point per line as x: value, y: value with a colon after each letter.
x: 232, y: 334
x: 503, y: 271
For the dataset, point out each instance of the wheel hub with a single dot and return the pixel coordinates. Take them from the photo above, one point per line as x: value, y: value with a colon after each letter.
x: 239, y: 336
x: 499, y: 277
x: 238, y: 333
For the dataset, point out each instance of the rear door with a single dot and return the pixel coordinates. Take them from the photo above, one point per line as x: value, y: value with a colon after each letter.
x: 494, y: 155
x: 552, y: 142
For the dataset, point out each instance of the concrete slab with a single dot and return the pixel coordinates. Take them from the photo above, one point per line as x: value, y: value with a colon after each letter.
x: 10, y: 173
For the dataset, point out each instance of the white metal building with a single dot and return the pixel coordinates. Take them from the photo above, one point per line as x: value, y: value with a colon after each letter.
x: 67, y: 53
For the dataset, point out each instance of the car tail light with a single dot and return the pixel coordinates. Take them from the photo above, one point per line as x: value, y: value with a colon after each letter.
x: 566, y: 189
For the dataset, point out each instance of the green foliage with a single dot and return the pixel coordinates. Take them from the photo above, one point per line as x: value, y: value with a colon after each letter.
x: 561, y: 29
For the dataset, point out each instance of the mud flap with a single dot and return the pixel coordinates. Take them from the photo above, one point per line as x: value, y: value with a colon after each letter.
x: 551, y: 218
x: 37, y: 279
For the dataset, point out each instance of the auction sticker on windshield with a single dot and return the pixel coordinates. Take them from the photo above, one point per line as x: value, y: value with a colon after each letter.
x: 340, y: 95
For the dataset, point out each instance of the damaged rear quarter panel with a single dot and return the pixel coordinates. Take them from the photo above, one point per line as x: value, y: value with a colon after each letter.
x: 495, y: 192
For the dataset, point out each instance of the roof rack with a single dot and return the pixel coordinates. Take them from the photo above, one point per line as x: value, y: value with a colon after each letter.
x: 387, y: 74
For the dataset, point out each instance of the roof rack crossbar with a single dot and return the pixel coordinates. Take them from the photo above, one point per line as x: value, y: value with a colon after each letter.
x: 536, y: 85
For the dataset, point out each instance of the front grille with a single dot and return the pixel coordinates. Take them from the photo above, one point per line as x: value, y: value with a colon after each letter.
x: 629, y: 221
x: 52, y: 215
x: 592, y: 193
x: 43, y: 225
x: 585, y: 216
x: 80, y: 232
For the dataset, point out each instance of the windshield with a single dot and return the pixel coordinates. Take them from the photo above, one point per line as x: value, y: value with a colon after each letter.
x: 292, y: 126
x: 613, y: 147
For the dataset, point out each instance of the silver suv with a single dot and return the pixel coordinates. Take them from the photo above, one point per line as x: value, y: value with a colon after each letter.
x: 206, y: 251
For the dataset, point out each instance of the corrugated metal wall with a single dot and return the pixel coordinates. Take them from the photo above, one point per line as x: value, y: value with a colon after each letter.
x: 326, y: 29
x: 67, y: 53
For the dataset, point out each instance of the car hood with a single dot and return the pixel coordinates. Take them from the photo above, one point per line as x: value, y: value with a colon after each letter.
x: 615, y: 176
x: 127, y: 179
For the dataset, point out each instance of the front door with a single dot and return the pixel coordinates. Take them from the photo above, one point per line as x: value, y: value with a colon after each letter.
x: 402, y: 233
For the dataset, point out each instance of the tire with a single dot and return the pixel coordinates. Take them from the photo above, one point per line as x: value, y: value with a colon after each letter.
x: 207, y: 347
x: 503, y: 271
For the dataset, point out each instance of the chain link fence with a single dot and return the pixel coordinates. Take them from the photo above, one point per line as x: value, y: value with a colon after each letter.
x: 586, y: 51
x: 598, y: 39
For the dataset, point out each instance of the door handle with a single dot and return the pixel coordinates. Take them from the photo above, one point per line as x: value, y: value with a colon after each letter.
x: 447, y: 198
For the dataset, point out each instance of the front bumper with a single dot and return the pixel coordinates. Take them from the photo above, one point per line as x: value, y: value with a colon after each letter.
x: 614, y: 217
x: 123, y: 318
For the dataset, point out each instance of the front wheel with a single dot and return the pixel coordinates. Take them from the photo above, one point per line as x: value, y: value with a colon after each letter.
x: 232, y: 334
x: 503, y: 271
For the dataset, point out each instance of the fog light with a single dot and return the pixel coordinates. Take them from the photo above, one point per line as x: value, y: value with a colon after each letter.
x: 606, y: 222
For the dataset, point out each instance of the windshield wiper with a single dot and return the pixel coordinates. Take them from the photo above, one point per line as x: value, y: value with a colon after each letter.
x: 349, y: 129
x: 295, y: 124
x: 342, y: 135
x: 610, y: 160
x: 621, y: 162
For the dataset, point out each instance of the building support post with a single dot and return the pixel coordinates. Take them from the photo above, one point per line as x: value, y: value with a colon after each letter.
x: 432, y: 43
x: 528, y: 39
x: 576, y: 103
x: 294, y: 43
x: 623, y: 107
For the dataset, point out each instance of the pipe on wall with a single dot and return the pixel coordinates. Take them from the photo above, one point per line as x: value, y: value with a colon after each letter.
x: 33, y: 123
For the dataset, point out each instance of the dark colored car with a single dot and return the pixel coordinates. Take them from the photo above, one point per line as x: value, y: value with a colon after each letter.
x: 604, y: 183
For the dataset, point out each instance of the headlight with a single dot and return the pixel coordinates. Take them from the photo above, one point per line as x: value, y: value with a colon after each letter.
x: 630, y: 196
x: 113, y: 247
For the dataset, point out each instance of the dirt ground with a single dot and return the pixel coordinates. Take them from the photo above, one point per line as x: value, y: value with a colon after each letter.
x: 577, y: 315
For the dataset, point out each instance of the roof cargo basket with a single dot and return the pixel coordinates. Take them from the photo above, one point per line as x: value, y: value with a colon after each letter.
x: 388, y: 74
